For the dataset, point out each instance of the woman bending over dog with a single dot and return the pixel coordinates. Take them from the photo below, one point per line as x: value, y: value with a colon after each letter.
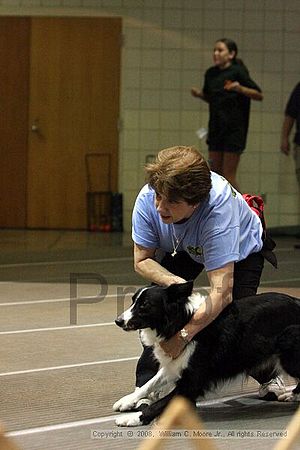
x: 187, y: 219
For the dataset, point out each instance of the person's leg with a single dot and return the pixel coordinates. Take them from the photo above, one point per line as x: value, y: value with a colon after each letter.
x: 146, y: 367
x: 215, y: 159
x: 230, y: 164
x: 297, y: 161
x: 247, y: 274
x: 297, y: 170
x: 184, y: 266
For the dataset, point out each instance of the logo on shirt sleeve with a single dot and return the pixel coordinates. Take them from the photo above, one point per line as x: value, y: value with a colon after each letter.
x: 233, y: 191
x: 195, y: 251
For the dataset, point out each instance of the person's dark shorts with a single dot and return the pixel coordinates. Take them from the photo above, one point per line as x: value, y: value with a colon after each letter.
x: 233, y: 141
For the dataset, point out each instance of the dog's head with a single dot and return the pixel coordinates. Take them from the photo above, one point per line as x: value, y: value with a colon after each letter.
x: 159, y: 308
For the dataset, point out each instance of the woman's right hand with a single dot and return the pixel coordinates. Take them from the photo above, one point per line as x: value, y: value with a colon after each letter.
x: 174, y: 279
x: 195, y: 92
x: 285, y: 146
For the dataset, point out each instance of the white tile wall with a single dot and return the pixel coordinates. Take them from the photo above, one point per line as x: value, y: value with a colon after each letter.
x: 168, y: 45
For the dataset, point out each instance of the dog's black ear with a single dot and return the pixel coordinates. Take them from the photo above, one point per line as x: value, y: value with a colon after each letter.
x: 176, y: 291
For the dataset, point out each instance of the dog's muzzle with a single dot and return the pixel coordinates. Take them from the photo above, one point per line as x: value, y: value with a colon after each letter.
x: 126, y: 325
x: 120, y: 321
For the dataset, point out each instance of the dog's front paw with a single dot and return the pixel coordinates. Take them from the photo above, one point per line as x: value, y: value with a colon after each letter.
x: 129, y: 420
x: 126, y: 403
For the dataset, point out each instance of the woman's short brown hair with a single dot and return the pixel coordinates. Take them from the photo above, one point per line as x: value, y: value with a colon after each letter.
x: 180, y: 173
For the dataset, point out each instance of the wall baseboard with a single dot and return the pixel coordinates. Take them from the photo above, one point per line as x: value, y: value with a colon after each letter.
x: 293, y: 230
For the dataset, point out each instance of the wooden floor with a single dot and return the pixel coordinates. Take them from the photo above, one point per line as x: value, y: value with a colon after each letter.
x: 64, y: 362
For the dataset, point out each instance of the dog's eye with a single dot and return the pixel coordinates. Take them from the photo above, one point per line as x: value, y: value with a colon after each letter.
x: 143, y: 307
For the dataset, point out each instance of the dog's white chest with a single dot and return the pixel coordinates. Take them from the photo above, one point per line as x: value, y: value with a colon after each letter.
x: 173, y: 367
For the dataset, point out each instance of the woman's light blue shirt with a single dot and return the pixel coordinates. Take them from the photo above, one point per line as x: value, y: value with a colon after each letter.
x: 223, y: 229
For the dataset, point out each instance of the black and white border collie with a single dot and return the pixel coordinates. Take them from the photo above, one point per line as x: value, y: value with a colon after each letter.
x: 251, y: 334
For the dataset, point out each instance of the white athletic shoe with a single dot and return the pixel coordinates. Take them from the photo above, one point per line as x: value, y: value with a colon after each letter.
x: 272, y: 389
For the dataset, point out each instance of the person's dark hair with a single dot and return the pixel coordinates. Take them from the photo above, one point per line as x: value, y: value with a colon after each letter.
x: 180, y: 173
x: 232, y: 47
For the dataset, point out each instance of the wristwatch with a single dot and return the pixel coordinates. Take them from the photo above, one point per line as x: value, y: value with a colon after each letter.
x: 184, y: 335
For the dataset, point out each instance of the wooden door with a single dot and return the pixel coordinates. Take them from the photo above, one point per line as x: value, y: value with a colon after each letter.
x: 14, y: 76
x: 74, y: 110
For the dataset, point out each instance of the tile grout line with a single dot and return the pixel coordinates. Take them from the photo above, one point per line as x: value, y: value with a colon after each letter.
x: 68, y: 366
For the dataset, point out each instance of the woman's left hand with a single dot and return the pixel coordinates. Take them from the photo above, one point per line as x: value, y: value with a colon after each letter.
x: 232, y: 86
x: 174, y: 346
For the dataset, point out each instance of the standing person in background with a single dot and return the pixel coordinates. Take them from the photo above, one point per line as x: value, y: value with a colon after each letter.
x: 227, y: 89
x: 292, y: 116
